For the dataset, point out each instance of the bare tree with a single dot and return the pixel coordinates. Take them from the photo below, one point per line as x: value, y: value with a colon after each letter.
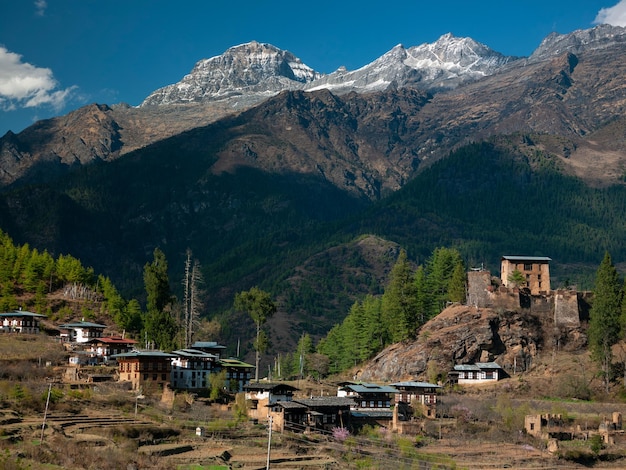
x: 192, y: 298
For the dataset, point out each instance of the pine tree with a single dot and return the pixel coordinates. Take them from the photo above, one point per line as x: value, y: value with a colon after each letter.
x: 439, y: 270
x: 259, y: 305
x: 159, y: 324
x: 604, y: 322
x: 457, y: 289
x: 398, y: 306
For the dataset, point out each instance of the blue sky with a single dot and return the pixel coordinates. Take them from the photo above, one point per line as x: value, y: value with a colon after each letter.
x: 58, y: 55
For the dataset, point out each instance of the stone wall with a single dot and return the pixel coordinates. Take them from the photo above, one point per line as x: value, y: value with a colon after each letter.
x: 566, y: 308
x: 562, y: 306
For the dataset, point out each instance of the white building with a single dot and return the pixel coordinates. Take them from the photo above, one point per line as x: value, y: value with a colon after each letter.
x: 191, y: 369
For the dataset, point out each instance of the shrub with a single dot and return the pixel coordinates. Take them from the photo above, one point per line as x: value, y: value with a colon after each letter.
x: 340, y: 434
x: 597, y: 444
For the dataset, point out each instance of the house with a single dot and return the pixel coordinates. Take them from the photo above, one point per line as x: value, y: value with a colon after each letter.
x: 103, y: 348
x: 420, y: 396
x: 81, y: 331
x: 263, y: 395
x: 146, y: 370
x: 238, y: 373
x: 372, y: 402
x: 210, y: 347
x: 480, y: 372
x: 191, y: 369
x: 535, y: 269
x: 368, y: 396
x: 311, y: 414
x: 20, y: 322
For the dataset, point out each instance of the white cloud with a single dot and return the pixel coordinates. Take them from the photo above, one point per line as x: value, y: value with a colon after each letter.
x: 40, y: 7
x: 615, y: 15
x: 23, y: 85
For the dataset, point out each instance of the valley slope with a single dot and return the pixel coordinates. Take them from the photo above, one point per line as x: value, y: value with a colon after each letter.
x: 529, y: 159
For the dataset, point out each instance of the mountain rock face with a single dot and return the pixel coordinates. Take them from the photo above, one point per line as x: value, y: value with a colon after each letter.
x: 579, y: 41
x: 465, y: 335
x: 444, y: 64
x: 570, y: 85
x: 250, y: 72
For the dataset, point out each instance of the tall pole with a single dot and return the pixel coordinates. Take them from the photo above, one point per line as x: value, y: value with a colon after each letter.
x: 45, y: 413
x: 269, y: 445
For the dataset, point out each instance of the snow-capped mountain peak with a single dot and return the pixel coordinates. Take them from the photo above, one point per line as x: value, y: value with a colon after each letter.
x: 445, y: 63
x: 250, y: 70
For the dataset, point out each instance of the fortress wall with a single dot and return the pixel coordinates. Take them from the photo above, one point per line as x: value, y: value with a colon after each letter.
x: 561, y: 306
x: 566, y: 308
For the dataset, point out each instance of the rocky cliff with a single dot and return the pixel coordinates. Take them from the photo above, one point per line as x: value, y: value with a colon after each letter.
x: 464, y: 335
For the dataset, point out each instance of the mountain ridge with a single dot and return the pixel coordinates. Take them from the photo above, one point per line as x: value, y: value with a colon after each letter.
x: 103, y: 133
x: 488, y: 166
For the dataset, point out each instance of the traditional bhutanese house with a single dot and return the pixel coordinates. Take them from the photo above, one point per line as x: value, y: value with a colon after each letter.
x: 534, y: 269
x: 146, y: 370
x: 421, y: 396
x: 20, y: 322
x: 238, y: 373
x: 480, y: 372
x: 210, y: 347
x: 103, y: 348
x: 372, y: 403
x: 368, y: 395
x: 263, y: 395
x: 81, y: 331
x: 191, y: 369
x: 311, y: 414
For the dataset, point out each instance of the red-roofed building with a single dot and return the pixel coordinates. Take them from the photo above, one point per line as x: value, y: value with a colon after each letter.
x: 104, y: 348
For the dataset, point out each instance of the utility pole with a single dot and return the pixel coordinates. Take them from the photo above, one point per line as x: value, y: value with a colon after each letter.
x: 269, y: 445
x: 45, y: 414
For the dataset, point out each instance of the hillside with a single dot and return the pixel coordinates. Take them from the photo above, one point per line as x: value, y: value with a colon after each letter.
x: 524, y: 156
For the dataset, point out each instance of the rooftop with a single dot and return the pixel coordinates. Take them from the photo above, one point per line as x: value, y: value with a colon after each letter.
x: 526, y: 258
x: 269, y: 386
x: 326, y: 401
x: 194, y: 353
x: 370, y: 388
x: 415, y: 385
x: 235, y: 363
x: 81, y: 324
x: 21, y: 313
x: 207, y: 344
x: 112, y: 340
x: 151, y: 353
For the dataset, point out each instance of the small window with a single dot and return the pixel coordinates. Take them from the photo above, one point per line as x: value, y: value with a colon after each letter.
x: 528, y: 267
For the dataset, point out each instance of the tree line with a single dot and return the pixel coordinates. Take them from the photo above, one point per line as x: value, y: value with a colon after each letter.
x: 411, y: 298
x: 28, y: 276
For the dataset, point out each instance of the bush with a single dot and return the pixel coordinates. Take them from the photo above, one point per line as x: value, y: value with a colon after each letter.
x: 597, y: 444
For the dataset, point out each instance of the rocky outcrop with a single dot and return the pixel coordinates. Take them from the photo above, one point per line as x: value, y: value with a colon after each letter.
x: 461, y: 335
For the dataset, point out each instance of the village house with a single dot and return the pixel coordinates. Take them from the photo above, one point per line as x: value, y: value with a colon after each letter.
x: 534, y: 269
x: 20, y: 322
x: 311, y: 414
x: 145, y: 370
x: 263, y: 395
x: 238, y: 373
x: 210, y: 347
x: 421, y: 397
x: 368, y: 396
x: 478, y: 373
x: 81, y: 331
x: 191, y: 369
x: 103, y: 348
